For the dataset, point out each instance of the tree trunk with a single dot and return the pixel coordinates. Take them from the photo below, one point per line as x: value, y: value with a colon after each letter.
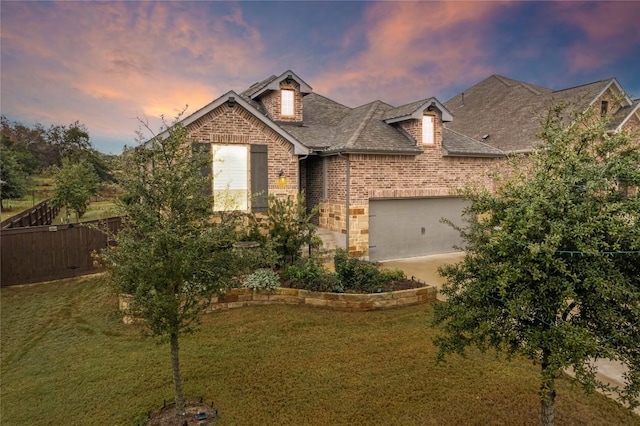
x: 547, y: 393
x: 177, y: 378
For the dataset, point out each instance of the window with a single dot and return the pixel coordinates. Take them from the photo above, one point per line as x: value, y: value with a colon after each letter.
x: 604, y: 108
x: 427, y: 130
x: 286, y: 105
x: 230, y: 177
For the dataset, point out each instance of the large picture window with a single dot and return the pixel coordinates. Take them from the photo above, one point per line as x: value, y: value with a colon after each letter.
x: 230, y: 177
x: 287, y: 103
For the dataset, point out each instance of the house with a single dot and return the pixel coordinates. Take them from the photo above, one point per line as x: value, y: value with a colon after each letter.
x: 383, y: 175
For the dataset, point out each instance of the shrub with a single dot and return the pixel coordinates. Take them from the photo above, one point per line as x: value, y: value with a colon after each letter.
x: 390, y: 275
x: 307, y: 274
x: 361, y: 276
x: 263, y: 279
x: 290, y: 227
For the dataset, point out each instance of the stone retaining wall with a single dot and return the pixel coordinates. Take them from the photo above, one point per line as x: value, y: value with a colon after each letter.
x: 351, y: 302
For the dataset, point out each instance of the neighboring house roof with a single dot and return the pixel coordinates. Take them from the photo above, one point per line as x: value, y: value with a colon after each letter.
x: 506, y: 113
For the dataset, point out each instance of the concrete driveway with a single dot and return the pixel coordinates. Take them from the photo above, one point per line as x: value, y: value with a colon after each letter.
x: 425, y: 269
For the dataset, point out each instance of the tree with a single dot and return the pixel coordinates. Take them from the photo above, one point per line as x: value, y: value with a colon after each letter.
x: 552, y: 265
x: 14, y: 181
x: 38, y: 148
x: 169, y: 255
x: 75, y: 183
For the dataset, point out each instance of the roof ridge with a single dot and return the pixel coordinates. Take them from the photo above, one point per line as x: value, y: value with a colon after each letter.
x: 372, y: 109
x: 609, y: 80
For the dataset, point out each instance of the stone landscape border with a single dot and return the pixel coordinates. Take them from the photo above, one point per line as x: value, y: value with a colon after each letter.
x: 349, y: 302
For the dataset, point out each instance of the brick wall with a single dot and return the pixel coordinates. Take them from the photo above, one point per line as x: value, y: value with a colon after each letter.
x: 234, y: 125
x: 313, y: 177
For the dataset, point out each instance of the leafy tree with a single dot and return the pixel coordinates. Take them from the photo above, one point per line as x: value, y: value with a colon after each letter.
x: 75, y: 183
x: 14, y: 181
x: 552, y: 265
x: 38, y: 148
x: 170, y: 256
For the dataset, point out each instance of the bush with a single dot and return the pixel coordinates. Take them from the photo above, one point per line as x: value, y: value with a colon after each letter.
x: 263, y: 279
x: 307, y: 274
x: 361, y: 276
x: 289, y: 226
x: 390, y: 275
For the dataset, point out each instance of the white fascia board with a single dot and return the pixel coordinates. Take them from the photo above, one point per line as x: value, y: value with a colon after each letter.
x: 615, y: 83
x: 635, y: 110
x: 418, y: 112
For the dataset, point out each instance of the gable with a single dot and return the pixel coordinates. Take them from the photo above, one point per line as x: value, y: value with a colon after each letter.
x: 232, y: 99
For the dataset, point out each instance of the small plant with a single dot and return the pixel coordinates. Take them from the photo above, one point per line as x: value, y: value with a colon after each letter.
x: 263, y: 279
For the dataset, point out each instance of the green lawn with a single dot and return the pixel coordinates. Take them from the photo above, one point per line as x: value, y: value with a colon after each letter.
x: 96, y: 210
x: 67, y: 359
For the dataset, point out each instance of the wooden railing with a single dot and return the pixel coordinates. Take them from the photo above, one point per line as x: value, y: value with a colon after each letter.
x: 41, y: 214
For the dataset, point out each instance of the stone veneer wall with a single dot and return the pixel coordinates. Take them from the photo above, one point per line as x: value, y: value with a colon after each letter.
x: 333, y: 216
x: 350, y: 302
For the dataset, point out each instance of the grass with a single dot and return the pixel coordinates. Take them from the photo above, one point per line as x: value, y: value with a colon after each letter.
x: 96, y: 210
x: 42, y: 188
x: 67, y: 359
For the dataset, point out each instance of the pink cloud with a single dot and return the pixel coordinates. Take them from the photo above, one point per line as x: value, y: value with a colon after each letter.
x: 610, y: 31
x: 106, y: 63
x: 418, y: 47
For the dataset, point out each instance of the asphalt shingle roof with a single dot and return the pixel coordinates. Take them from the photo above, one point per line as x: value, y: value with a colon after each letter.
x: 457, y: 144
x: 496, y: 116
x: 506, y: 113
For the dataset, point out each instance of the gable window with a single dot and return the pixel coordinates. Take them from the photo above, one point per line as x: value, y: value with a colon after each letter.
x: 604, y: 108
x: 286, y: 102
x: 230, y: 177
x: 428, y: 137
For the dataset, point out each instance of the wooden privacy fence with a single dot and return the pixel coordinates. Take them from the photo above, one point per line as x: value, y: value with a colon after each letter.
x: 40, y: 214
x: 44, y: 253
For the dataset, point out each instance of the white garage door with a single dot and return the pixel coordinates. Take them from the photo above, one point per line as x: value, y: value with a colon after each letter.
x: 411, y: 227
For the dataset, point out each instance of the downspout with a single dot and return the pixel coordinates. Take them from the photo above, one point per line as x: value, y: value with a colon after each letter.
x: 299, y: 175
x: 347, y: 197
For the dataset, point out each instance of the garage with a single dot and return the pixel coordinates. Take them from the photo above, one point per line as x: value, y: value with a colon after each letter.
x: 400, y: 228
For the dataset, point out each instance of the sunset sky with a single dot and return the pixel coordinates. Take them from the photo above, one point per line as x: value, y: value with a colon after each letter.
x: 106, y: 64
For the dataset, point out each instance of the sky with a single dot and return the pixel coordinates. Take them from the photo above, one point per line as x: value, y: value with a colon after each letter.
x: 110, y: 64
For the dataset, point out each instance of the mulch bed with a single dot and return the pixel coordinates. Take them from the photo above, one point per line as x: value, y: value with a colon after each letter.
x: 405, y: 284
